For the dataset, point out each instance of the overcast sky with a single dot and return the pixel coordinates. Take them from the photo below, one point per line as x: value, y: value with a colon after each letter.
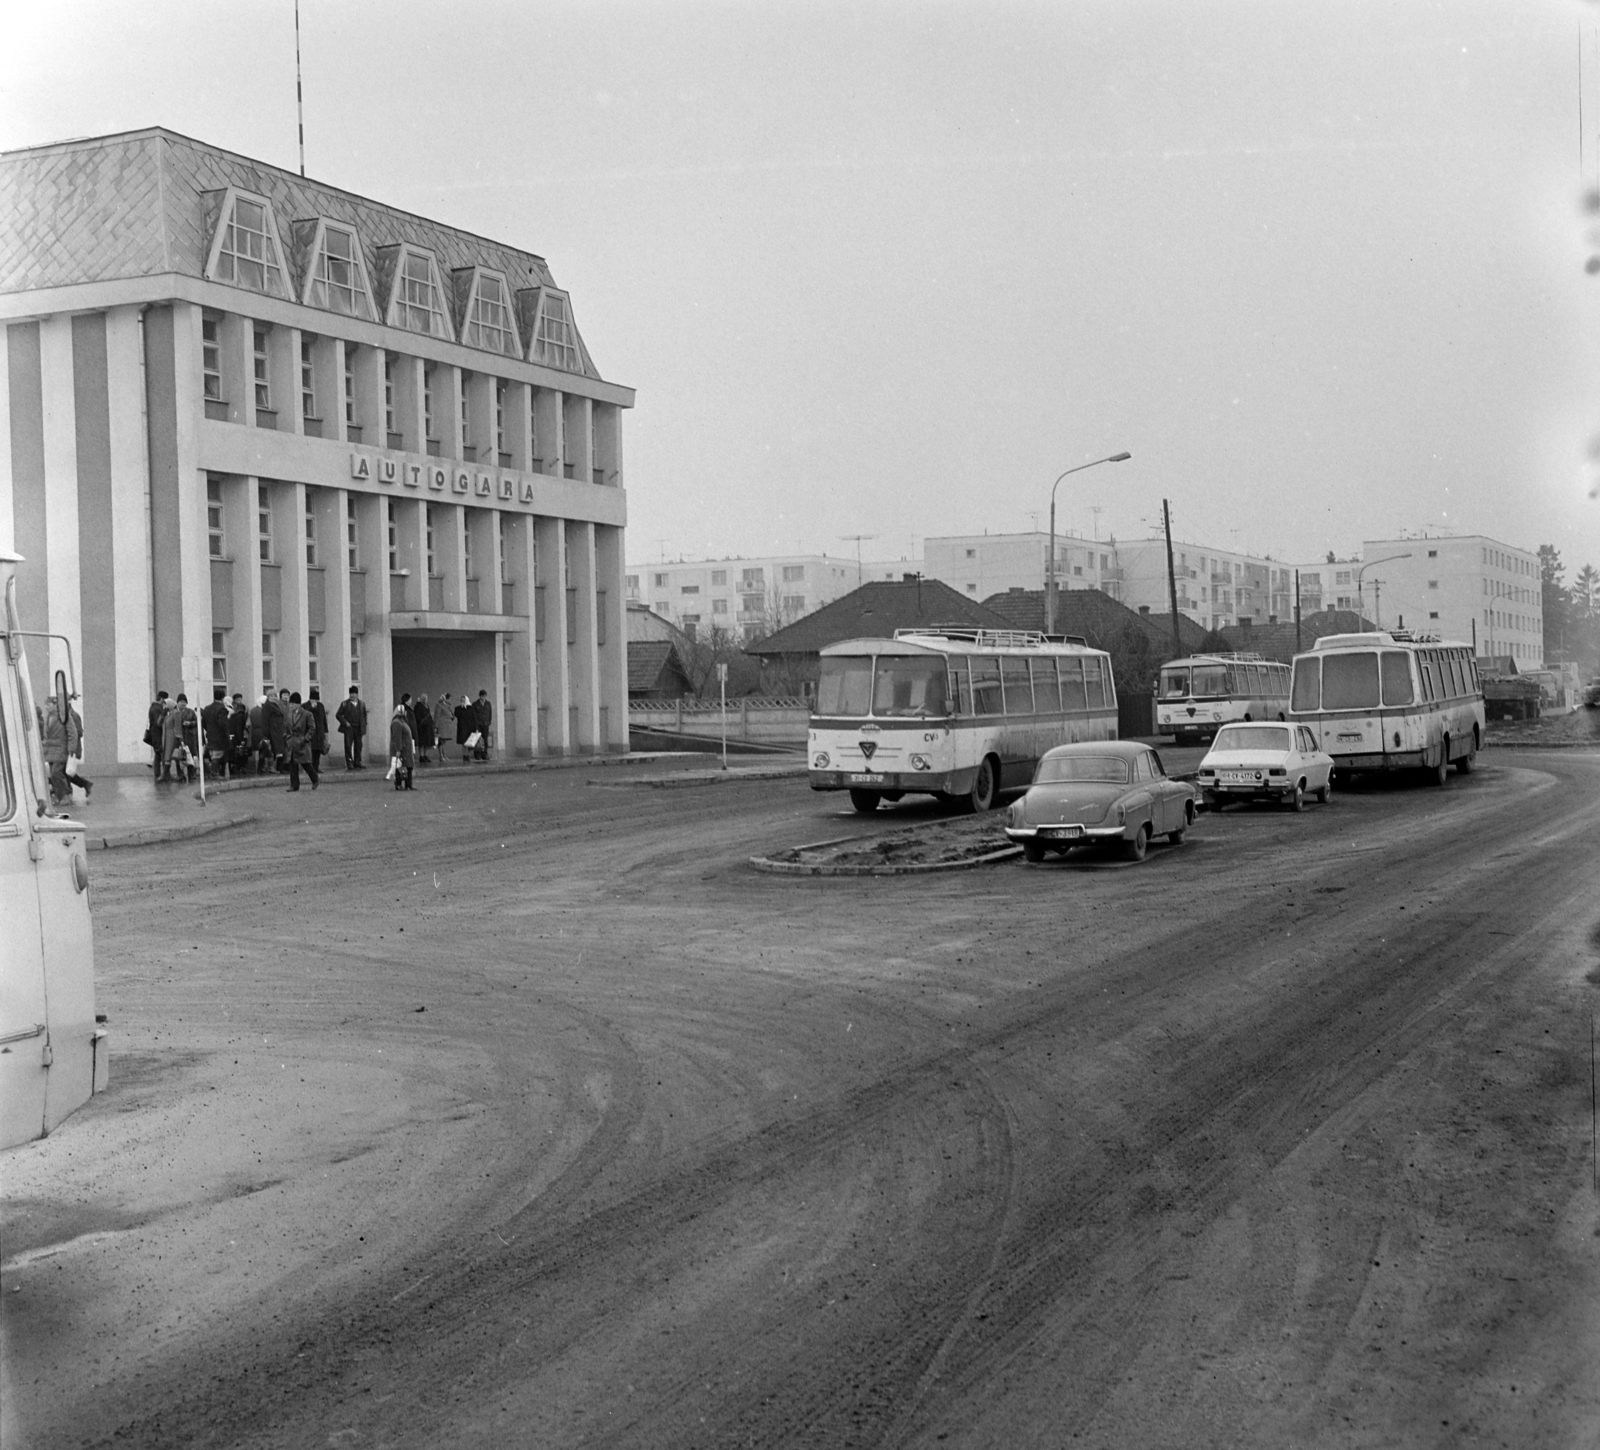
x: 889, y: 269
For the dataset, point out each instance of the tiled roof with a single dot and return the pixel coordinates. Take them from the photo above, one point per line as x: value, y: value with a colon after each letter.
x: 1276, y: 641
x: 650, y: 661
x: 1094, y: 616
x: 875, y: 611
x: 135, y: 204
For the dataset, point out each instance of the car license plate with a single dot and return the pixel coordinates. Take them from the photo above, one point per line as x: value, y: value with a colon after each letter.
x: 1236, y: 777
x: 867, y: 778
x: 1061, y: 833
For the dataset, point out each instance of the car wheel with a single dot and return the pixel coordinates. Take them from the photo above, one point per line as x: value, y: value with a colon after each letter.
x: 1134, y: 850
x: 985, y: 785
x: 865, y: 801
x: 1176, y: 837
x: 1033, y: 851
x: 1326, y: 793
x: 1297, y: 797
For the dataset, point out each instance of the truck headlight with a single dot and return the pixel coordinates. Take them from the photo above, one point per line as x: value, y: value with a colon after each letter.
x: 820, y: 760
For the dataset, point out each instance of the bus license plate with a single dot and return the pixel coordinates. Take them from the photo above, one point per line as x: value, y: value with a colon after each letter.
x: 867, y: 779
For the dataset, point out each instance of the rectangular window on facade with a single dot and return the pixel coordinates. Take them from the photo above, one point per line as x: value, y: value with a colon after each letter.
x: 211, y: 358
x: 1433, y: 583
x: 311, y: 532
x: 355, y: 659
x: 433, y: 567
x: 308, y: 379
x: 350, y: 384
x: 466, y: 550
x: 661, y: 581
x: 489, y: 323
x: 337, y: 281
x: 393, y: 530
x: 263, y: 386
x: 793, y: 572
x: 794, y: 604
x: 420, y: 309
x: 633, y: 584
x: 350, y: 533
x: 719, y: 606
x: 499, y: 416
x: 268, y: 650
x: 264, y: 522
x: 313, y: 666
x: 248, y: 254
x: 427, y: 402
x: 214, y: 532
x: 688, y: 589
x: 466, y: 427
x: 219, y: 656
x: 388, y: 393
x: 719, y: 576
x: 754, y: 579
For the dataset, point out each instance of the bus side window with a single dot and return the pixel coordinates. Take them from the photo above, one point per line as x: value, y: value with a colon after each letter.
x: 1458, y: 669
x: 986, y: 685
x: 1018, y: 692
x: 1397, y: 688
x: 960, y: 688
x: 1071, y: 671
x: 1046, y: 689
x: 1093, y: 685
x: 1307, y: 693
x: 1430, y: 690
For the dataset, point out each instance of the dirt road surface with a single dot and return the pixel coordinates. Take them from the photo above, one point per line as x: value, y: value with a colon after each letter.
x: 522, y: 1111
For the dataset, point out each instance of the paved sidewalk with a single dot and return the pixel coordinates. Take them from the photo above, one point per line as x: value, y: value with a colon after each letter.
x: 138, y: 811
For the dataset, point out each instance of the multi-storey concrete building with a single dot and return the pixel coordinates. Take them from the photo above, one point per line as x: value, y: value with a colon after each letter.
x: 1470, y: 588
x: 979, y: 565
x: 750, y: 598
x: 260, y: 432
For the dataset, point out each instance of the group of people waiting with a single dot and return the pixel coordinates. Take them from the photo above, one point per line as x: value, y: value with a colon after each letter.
x: 283, y: 733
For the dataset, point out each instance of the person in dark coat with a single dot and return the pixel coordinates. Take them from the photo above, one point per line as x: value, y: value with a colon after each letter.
x: 402, y: 746
x: 180, y: 741
x: 301, y: 726
x: 214, y: 727
x: 484, y: 712
x: 319, y: 736
x: 275, y: 715
x: 444, y: 721
x: 238, y: 734
x: 153, y: 734
x: 259, y: 743
x: 351, y: 717
x: 425, y: 734
x: 466, y: 723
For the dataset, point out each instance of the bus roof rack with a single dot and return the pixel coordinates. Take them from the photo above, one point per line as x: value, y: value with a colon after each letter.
x: 997, y: 638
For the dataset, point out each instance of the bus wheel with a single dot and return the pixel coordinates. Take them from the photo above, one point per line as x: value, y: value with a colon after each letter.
x: 985, y: 785
x: 865, y: 801
x: 1033, y: 851
x: 1134, y: 850
x: 1438, y: 774
x: 1467, y: 761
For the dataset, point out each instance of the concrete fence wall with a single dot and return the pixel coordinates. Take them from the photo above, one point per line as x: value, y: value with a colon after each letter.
x: 763, y: 720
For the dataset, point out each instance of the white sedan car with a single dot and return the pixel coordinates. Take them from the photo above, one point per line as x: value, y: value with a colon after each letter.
x: 1265, y: 762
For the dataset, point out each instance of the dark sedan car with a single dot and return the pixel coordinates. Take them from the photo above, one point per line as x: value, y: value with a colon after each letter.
x: 1101, y: 791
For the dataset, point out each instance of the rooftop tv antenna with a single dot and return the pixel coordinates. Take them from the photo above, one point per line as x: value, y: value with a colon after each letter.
x: 857, y: 538
x: 299, y: 98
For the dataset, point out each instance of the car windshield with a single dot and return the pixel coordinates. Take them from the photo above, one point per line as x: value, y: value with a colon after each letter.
x: 909, y: 686
x: 1108, y: 769
x: 1252, y: 737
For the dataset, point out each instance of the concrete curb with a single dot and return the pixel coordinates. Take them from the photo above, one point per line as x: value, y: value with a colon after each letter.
x: 156, y: 835
x: 801, y: 868
x: 685, y: 779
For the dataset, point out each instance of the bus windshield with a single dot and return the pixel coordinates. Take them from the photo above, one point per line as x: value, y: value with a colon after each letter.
x: 1175, y: 684
x: 909, y: 686
x: 844, y: 685
x: 1106, y: 768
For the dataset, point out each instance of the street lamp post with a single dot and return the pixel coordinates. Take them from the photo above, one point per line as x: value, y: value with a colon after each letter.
x: 1373, y: 563
x: 1050, y: 588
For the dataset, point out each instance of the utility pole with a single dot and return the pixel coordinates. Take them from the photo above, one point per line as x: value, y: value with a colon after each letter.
x: 1377, y: 603
x: 1297, y: 645
x: 1172, y: 583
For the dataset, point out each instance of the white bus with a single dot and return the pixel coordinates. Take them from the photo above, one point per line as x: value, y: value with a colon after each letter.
x: 954, y: 712
x: 1196, y: 697
x: 53, y: 1053
x: 1391, y: 701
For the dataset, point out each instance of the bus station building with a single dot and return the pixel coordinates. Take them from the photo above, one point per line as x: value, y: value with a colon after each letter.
x: 258, y: 432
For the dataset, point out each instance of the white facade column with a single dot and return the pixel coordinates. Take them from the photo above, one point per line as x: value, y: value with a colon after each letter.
x: 550, y: 555
x: 283, y: 373
x: 407, y: 382
x: 409, y: 577
x: 577, y: 440
x: 608, y: 443
x: 583, y: 664
x: 239, y: 542
x: 327, y: 384
x: 64, y: 582
x: 328, y: 512
x: 522, y: 685
x: 517, y: 422
x: 289, y: 546
x: 130, y: 529
x: 449, y: 548
x: 193, y: 553
x: 372, y: 551
x: 611, y: 631
x: 236, y: 361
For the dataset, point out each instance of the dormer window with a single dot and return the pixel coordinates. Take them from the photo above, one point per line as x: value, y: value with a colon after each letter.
x: 245, y: 249
x: 486, y: 319
x: 336, y: 279
x: 555, y: 340
x: 416, y: 299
